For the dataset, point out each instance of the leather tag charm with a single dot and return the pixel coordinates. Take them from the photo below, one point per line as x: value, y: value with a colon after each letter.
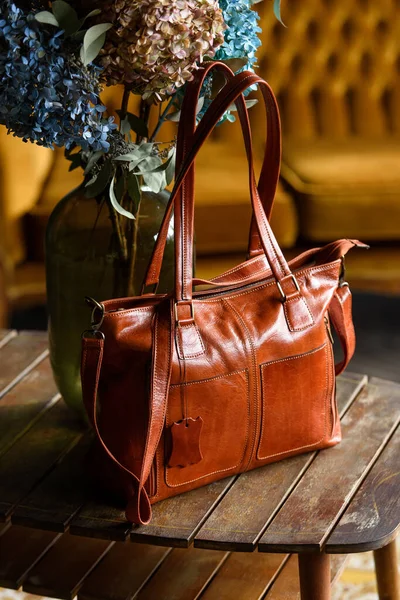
x: 185, y: 442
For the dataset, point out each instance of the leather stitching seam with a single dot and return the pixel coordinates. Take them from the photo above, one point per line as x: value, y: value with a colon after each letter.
x: 287, y: 314
x: 220, y: 470
x: 265, y: 285
x: 324, y: 346
x: 199, y: 381
x: 181, y: 352
x: 254, y: 364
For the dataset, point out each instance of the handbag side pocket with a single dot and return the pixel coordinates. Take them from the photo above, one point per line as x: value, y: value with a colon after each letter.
x: 223, y: 404
x: 296, y: 403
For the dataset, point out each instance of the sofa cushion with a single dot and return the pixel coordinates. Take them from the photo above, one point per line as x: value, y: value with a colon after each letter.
x: 345, y: 188
x: 223, y: 208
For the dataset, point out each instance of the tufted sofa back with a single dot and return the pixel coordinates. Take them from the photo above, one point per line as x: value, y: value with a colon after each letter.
x: 335, y: 67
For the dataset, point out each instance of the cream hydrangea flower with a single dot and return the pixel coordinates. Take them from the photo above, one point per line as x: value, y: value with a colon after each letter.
x: 156, y: 45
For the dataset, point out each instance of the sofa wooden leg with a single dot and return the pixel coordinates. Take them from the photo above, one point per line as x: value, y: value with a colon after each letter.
x: 387, y: 572
x: 315, y: 576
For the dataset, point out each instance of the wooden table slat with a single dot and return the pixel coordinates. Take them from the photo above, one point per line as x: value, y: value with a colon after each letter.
x: 176, y: 520
x: 25, y: 402
x: 19, y: 356
x: 174, y: 523
x: 6, y: 335
x: 63, y: 569
x: 308, y: 516
x: 251, y: 503
x: 287, y: 585
x: 20, y: 551
x: 54, y: 502
x: 372, y: 519
x: 34, y: 454
x: 244, y: 576
x: 123, y: 572
x: 183, y: 575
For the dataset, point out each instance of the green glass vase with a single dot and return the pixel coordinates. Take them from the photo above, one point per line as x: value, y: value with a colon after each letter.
x: 83, y: 258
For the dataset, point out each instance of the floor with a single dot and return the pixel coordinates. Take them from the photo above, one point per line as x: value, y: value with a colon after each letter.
x: 377, y: 325
x: 356, y: 583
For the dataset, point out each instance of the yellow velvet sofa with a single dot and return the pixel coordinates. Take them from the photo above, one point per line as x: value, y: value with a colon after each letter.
x: 336, y: 71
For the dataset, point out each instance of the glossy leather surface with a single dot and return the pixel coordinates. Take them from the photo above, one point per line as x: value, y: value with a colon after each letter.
x: 250, y: 357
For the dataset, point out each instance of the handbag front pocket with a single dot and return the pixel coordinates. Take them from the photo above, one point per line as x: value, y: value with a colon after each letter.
x: 296, y: 393
x: 223, y: 403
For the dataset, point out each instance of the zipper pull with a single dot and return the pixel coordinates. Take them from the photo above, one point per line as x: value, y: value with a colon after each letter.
x: 328, y: 330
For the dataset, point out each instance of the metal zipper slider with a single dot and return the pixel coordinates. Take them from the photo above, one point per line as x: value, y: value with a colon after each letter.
x: 328, y: 330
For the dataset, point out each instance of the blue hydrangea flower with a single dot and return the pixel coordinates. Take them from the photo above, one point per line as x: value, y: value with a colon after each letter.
x: 241, y: 36
x: 241, y: 40
x: 46, y: 96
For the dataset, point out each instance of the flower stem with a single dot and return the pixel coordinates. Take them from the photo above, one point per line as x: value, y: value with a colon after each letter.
x: 162, y: 119
x: 134, y: 249
x: 124, y: 103
x: 144, y: 114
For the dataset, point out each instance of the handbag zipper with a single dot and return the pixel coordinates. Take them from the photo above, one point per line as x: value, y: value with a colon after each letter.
x: 328, y: 330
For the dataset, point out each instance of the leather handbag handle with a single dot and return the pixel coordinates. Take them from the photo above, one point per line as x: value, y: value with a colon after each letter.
x: 184, y: 204
x: 268, y: 180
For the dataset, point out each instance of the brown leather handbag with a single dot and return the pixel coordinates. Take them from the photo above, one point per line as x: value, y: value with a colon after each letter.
x: 195, y: 386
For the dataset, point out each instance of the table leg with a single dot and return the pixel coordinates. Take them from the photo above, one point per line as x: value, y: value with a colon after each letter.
x: 387, y: 572
x: 315, y: 576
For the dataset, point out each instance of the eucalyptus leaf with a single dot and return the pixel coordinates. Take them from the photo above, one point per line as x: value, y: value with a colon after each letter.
x: 128, y: 157
x: 102, y: 180
x: 174, y: 117
x: 94, y: 158
x: 92, y: 13
x: 66, y: 16
x: 136, y: 124
x: 138, y: 153
x: 75, y: 160
x: 93, y: 42
x: 46, y: 17
x: 113, y: 199
x: 134, y: 189
x: 170, y: 170
x: 125, y: 127
x: 164, y: 166
x: 277, y: 11
x: 150, y: 164
x: 155, y: 181
x: 119, y: 188
x: 249, y: 104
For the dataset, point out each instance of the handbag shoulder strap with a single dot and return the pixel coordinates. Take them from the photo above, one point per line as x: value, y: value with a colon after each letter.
x: 138, y: 509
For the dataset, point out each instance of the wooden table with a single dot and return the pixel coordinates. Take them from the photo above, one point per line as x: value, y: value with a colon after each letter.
x: 237, y: 538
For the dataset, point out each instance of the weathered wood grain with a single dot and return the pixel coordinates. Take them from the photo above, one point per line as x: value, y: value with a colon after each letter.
x: 25, y: 402
x: 309, y: 515
x: 102, y: 520
x: 245, y: 576
x: 287, y: 584
x: 176, y: 520
x: 373, y: 518
x: 54, y: 502
x: 20, y: 551
x: 63, y: 569
x: 34, y: 454
x: 183, y: 575
x: 6, y: 335
x: 19, y: 356
x: 251, y: 503
x: 123, y: 572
